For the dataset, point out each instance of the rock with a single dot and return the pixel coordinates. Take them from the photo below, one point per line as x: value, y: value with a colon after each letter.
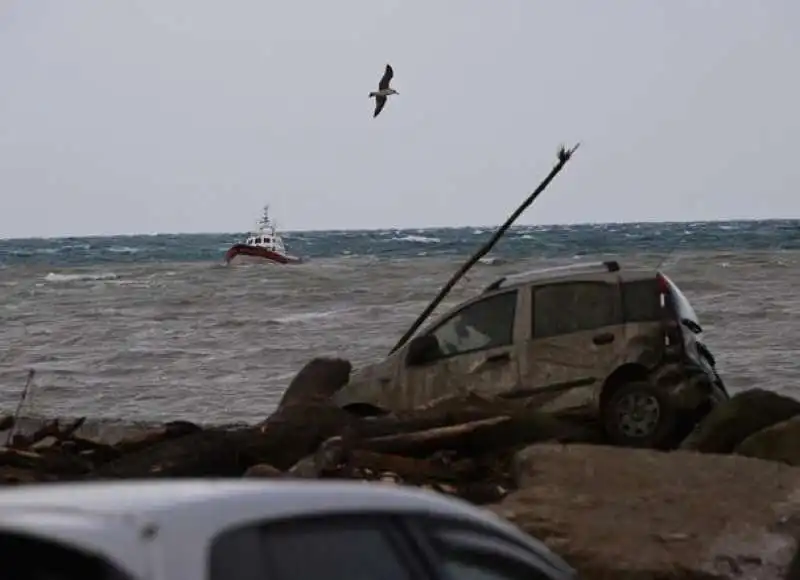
x: 263, y: 471
x: 296, y: 431
x: 635, y: 513
x: 21, y: 458
x: 318, y: 380
x: 780, y: 442
x: 326, y: 459
x: 16, y: 475
x: 733, y: 421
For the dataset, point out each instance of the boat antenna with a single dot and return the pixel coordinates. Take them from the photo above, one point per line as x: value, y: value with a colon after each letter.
x: 564, y: 155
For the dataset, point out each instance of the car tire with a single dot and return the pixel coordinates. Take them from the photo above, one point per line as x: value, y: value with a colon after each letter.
x: 638, y: 414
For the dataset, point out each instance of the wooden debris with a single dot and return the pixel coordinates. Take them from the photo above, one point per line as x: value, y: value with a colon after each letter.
x: 318, y: 380
x: 460, y: 445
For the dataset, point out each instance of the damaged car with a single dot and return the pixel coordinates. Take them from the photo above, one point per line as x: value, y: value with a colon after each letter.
x: 622, y: 346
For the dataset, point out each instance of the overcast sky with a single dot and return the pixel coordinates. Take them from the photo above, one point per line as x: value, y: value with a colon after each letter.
x: 144, y: 116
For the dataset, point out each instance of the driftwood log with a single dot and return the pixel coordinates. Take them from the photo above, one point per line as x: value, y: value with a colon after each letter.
x: 316, y: 381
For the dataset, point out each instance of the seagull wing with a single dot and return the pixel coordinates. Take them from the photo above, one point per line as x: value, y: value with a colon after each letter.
x: 387, y: 77
x: 379, y: 103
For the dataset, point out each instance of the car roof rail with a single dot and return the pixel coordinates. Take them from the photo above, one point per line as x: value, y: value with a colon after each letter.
x: 608, y: 265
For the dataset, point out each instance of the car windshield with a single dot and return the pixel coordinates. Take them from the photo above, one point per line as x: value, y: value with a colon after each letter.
x: 684, y: 308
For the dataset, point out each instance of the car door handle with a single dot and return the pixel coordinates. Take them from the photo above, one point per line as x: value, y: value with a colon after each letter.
x: 499, y: 357
x: 603, y: 338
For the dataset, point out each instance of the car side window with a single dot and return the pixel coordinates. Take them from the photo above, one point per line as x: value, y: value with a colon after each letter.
x: 467, y: 555
x: 564, y: 308
x: 334, y: 548
x: 641, y: 300
x: 28, y: 558
x: 485, y: 567
x: 482, y: 325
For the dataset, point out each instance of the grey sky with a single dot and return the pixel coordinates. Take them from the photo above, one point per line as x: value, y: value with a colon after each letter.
x: 148, y: 116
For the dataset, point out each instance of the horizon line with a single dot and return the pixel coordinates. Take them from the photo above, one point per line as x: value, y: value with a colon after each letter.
x: 406, y: 228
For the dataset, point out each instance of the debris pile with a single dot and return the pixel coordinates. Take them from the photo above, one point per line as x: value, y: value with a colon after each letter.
x: 461, y: 445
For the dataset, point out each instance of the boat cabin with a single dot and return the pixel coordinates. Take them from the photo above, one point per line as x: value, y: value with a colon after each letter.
x: 265, y: 236
x: 268, y: 241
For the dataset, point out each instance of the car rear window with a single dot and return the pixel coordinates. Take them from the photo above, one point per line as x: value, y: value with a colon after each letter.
x: 641, y: 301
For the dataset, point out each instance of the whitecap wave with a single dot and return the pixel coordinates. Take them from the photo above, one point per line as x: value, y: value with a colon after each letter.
x: 53, y: 277
x: 307, y: 316
x: 417, y: 239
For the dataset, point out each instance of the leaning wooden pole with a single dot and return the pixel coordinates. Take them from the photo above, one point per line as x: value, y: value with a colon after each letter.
x: 564, y: 155
x: 17, y: 413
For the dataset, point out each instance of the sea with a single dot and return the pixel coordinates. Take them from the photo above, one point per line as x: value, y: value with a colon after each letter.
x: 148, y: 328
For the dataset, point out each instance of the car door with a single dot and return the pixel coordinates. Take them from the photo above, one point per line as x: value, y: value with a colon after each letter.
x: 576, y: 333
x: 478, y: 350
x: 329, y: 547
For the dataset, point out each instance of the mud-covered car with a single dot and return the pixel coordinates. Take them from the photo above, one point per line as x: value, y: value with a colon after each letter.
x: 622, y: 345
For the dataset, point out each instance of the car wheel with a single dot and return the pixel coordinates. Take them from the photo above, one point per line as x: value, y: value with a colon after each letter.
x: 639, y: 415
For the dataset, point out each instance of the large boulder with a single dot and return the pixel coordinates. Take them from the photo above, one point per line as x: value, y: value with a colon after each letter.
x: 624, y: 513
x: 318, y: 380
x: 735, y: 420
x: 780, y: 442
x: 263, y: 471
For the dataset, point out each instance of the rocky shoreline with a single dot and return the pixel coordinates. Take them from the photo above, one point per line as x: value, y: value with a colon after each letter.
x: 724, y: 504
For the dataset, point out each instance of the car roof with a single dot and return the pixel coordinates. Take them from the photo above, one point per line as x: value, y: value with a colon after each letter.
x: 235, y: 502
x: 567, y: 272
x: 165, y: 498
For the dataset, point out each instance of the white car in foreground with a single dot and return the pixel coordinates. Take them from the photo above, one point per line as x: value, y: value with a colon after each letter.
x: 255, y: 530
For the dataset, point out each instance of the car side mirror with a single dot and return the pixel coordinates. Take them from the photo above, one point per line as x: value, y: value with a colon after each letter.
x: 422, y: 350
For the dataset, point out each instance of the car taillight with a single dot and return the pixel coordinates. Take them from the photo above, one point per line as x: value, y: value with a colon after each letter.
x: 672, y: 326
x: 663, y: 285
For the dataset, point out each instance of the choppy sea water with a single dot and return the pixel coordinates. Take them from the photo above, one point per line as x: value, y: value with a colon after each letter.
x: 148, y: 328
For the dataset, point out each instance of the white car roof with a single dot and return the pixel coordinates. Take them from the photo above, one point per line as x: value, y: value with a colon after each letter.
x: 114, y: 518
x: 160, y: 499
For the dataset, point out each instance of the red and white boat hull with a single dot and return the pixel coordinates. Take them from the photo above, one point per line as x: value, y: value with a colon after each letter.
x: 243, y: 252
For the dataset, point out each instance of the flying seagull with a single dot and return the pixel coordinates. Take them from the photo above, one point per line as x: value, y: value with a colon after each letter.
x: 383, y: 90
